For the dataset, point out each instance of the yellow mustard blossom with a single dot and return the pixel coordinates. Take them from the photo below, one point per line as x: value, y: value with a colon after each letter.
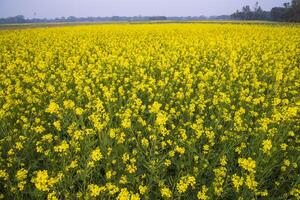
x: 124, y: 194
x: 96, y: 154
x: 72, y: 165
x: 143, y: 189
x: 79, y: 111
x: 145, y: 142
x: 21, y: 176
x: 135, y: 197
x: 220, y: 174
x: 52, y: 196
x: 155, y: 107
x: 53, y: 108
x: 57, y: 125
x: 167, y: 162
x: 95, y: 190
x: 267, y: 145
x: 123, y: 180
x: 161, y: 119
x: 166, y: 192
x: 69, y: 104
x: 283, y: 146
x: 202, y: 195
x: 185, y: 182
x: 250, y: 182
x: 41, y: 180
x: 62, y: 148
x: 247, y: 164
x: 180, y: 150
x: 237, y: 182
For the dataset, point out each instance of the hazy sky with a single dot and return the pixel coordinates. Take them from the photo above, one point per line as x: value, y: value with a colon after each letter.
x: 84, y: 8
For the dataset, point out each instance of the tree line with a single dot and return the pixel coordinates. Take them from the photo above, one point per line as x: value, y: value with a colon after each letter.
x: 20, y: 19
x: 289, y: 12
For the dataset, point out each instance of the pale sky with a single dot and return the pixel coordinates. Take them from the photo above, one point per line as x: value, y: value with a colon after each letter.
x: 85, y: 8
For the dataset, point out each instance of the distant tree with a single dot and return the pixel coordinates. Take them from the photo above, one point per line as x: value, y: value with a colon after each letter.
x: 295, y: 10
x: 287, y: 5
x: 14, y: 20
x: 159, y: 18
x: 247, y: 14
x: 71, y: 19
x: 279, y: 14
x: 289, y: 12
x: 257, y: 7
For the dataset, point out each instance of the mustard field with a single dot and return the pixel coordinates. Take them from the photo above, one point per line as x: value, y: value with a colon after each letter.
x: 150, y: 111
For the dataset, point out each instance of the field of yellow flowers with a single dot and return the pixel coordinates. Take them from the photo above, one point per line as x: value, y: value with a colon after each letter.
x: 150, y: 111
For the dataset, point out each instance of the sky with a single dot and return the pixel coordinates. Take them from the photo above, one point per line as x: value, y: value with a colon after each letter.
x: 85, y: 8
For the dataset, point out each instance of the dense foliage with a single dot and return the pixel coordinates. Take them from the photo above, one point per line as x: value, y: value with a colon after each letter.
x: 290, y: 12
x: 170, y: 111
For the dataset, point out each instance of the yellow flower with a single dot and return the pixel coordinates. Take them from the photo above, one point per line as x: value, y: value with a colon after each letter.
x: 180, y: 150
x: 63, y: 147
x: 53, y: 108
x: 143, y: 189
x: 41, y: 180
x: 220, y: 174
x: 126, y: 123
x: 155, y: 107
x: 286, y: 162
x: 131, y: 168
x: 205, y: 148
x: 202, y: 195
x: 161, y: 119
x: 145, y: 142
x: 124, y: 194
x: 96, y: 154
x: 123, y: 180
x: 21, y: 174
x: 57, y: 125
x: 19, y: 145
x: 111, y: 188
x: 21, y: 185
x: 283, y: 146
x: 112, y: 133
x: 79, y: 111
x: 237, y: 182
x: 135, y: 197
x: 52, y: 196
x: 108, y: 174
x: 247, y: 164
x: 223, y: 160
x: 185, y: 182
x: 69, y: 104
x: 47, y: 138
x: 95, y: 190
x: 250, y: 182
x: 171, y: 153
x: 125, y: 157
x: 166, y: 192
x: 72, y: 165
x: 167, y: 162
x: 263, y: 193
x: 267, y: 145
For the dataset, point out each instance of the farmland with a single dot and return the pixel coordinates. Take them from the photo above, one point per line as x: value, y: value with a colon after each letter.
x: 150, y: 111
